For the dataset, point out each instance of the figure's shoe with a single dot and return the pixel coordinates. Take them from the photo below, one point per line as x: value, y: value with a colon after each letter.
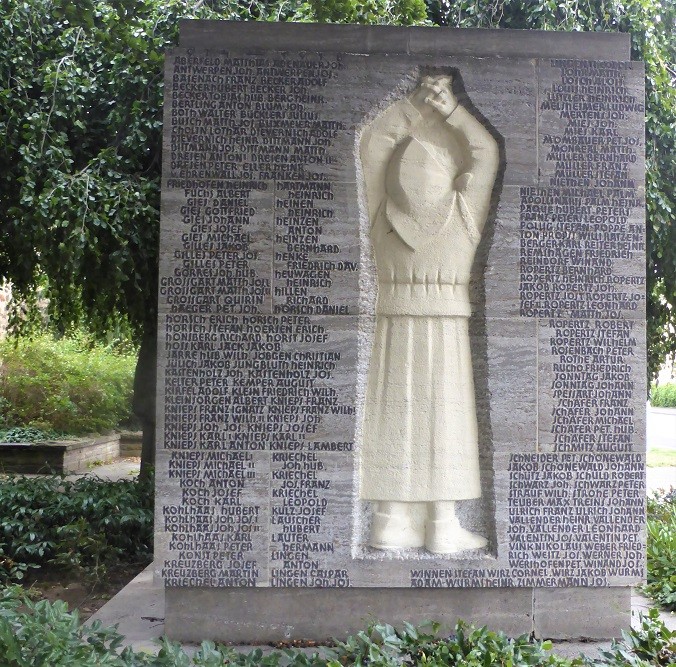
x: 394, y: 531
x: 447, y: 536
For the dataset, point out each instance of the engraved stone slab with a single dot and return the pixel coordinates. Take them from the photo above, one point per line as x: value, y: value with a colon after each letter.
x: 267, y: 310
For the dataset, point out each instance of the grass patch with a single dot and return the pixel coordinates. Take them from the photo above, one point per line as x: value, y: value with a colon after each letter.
x: 659, y: 458
x: 663, y: 395
x: 71, y: 385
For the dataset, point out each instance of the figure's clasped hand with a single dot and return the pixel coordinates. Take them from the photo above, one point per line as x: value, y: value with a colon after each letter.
x: 440, y: 94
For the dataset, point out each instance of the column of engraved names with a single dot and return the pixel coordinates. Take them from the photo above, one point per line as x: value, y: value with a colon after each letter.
x: 312, y: 267
x: 217, y: 264
x: 301, y: 526
x: 211, y: 527
x: 302, y: 534
x: 582, y: 252
x: 219, y: 261
x: 593, y: 379
x: 233, y: 120
x: 577, y: 229
x: 577, y: 518
x: 247, y: 117
x: 215, y: 526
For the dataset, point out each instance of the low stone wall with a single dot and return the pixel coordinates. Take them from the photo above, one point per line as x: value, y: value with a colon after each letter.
x: 64, y: 456
x: 131, y: 443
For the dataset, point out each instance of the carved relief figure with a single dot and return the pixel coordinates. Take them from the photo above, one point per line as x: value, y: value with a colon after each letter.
x: 429, y: 167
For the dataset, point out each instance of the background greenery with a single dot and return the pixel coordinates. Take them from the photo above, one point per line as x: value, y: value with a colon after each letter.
x: 80, y: 123
x: 69, y: 385
x: 663, y: 395
x: 661, y: 585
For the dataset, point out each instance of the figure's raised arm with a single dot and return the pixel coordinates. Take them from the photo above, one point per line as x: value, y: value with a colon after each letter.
x: 475, y: 184
x: 378, y: 141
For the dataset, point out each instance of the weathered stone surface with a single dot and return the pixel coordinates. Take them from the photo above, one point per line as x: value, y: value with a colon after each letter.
x: 267, y: 317
x: 253, y: 37
x: 573, y: 613
x: 590, y: 371
x: 254, y: 615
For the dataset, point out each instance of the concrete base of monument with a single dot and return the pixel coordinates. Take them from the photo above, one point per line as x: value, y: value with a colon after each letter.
x: 259, y: 615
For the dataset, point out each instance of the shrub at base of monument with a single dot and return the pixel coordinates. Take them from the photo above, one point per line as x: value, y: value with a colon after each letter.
x: 87, y: 526
x: 661, y: 584
x: 30, y: 631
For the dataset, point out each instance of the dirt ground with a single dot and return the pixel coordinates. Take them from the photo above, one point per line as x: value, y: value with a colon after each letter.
x: 74, y: 589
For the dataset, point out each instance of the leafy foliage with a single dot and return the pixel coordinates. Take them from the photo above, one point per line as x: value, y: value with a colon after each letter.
x: 390, y: 12
x: 28, y: 434
x: 40, y: 633
x: 651, y: 644
x: 88, y: 524
x: 69, y: 385
x: 386, y: 646
x: 661, y: 584
x: 663, y: 395
x: 80, y: 134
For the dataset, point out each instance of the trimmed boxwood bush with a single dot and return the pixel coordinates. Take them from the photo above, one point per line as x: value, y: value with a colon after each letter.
x: 661, y: 584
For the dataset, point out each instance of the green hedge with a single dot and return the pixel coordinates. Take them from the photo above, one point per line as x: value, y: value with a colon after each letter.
x: 661, y: 584
x: 663, y: 395
x: 69, y: 385
x: 88, y: 523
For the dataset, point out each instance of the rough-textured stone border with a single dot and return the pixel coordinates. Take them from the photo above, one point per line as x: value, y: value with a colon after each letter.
x: 64, y: 456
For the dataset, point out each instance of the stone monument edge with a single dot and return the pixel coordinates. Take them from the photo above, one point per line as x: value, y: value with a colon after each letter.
x: 266, y: 614
x: 541, y: 601
x: 254, y: 36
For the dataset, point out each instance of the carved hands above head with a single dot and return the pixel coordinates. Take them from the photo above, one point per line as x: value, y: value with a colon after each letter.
x: 439, y: 94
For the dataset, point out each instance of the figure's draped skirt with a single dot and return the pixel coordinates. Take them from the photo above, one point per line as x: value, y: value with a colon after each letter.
x: 420, y: 429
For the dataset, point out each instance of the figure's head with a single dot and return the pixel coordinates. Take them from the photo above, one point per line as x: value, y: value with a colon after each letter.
x: 418, y: 175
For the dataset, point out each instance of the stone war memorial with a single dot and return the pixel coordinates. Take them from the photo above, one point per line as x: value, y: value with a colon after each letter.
x: 401, y: 333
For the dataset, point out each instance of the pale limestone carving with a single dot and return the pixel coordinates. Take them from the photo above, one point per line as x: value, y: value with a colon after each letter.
x: 429, y: 167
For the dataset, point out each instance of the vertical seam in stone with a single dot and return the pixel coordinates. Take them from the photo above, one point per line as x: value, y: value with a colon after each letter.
x: 537, y: 385
x: 268, y: 569
x: 409, y: 393
x: 272, y: 238
x: 431, y: 347
x: 537, y: 121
